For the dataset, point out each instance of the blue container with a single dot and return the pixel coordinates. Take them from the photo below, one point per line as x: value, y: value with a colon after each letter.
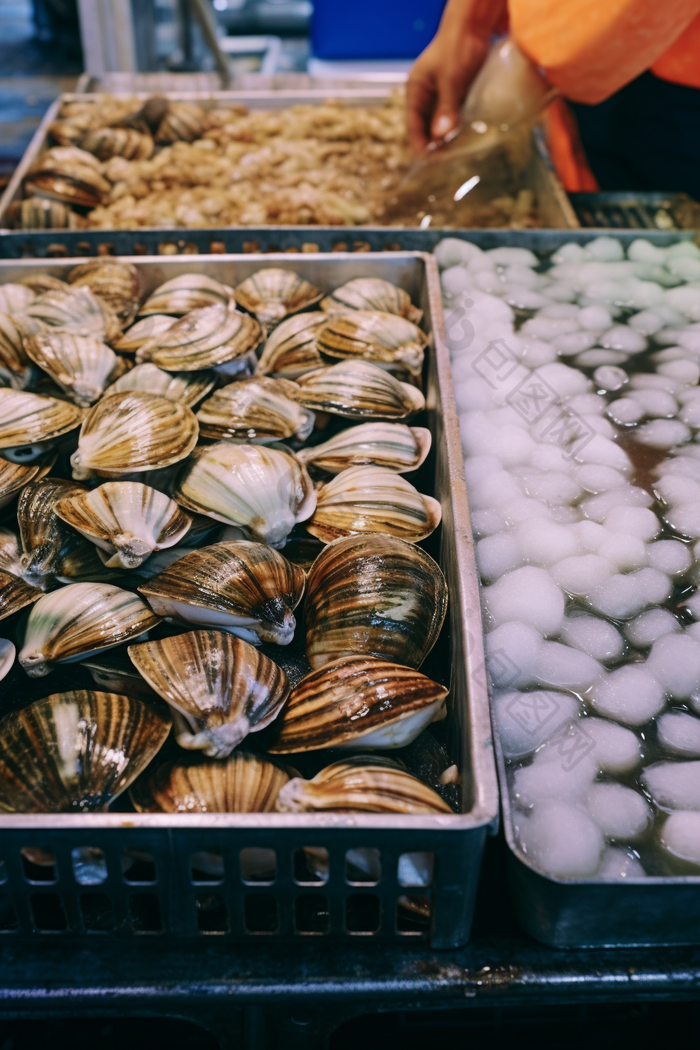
x: 373, y: 28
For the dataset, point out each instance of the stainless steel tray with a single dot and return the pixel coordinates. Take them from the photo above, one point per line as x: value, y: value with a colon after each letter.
x: 553, y: 203
x: 163, y: 884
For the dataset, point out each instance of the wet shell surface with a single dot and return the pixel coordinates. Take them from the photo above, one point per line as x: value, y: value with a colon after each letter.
x: 259, y: 410
x: 80, y: 619
x: 15, y: 366
x: 125, y: 518
x: 131, y: 432
x: 76, y: 751
x: 67, y: 174
x: 147, y: 328
x: 14, y: 476
x: 210, y: 337
x: 359, y: 784
x: 264, y: 490
x: 272, y: 294
x: 219, y: 687
x: 183, y: 122
x: 10, y: 552
x: 370, y: 499
x: 186, y: 387
x: 118, y: 142
x: 376, y: 595
x: 50, y: 549
x: 245, y: 783
x: 77, y: 309
x: 356, y: 702
x: 7, y: 657
x: 246, y: 588
x: 116, y: 283
x: 113, y: 671
x: 371, y: 293
x: 384, y: 338
x: 80, y: 364
x: 392, y: 446
x: 189, y: 291
x: 291, y: 349
x: 359, y: 390
x: 14, y: 297
x: 31, y: 419
x: 15, y: 594
x: 40, y: 213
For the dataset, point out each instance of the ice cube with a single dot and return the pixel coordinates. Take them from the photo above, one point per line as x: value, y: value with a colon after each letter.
x: 512, y: 257
x: 561, y: 840
x: 536, y: 352
x: 620, y: 864
x: 626, y: 410
x: 566, y: 381
x: 633, y: 521
x: 512, y: 652
x: 646, y: 322
x: 453, y: 251
x: 497, y: 554
x: 622, y: 337
x: 557, y: 771
x: 662, y: 433
x: 549, y: 328
x: 684, y: 518
x: 580, y: 575
x: 600, y: 507
x: 559, y: 310
x: 644, y: 251
x: 598, y: 479
x: 523, y: 298
x: 574, y: 343
x: 670, y: 556
x: 619, y: 812
x: 673, y: 785
x: 686, y: 299
x: 679, y: 733
x: 610, y: 377
x: 545, y: 542
x: 594, y: 318
x: 651, y: 625
x: 455, y: 281
x: 594, y: 636
x: 561, y: 292
x: 491, y: 491
x: 680, y: 835
x: 553, y: 487
x: 565, y: 668
x: 478, y: 467
x: 617, y: 750
x: 570, y: 252
x: 656, y: 403
x: 684, y: 370
x: 675, y: 662
x: 605, y: 249
x: 511, y: 444
x: 528, y: 594
x: 625, y: 552
x: 586, y: 404
x: 629, y: 694
x: 600, y: 450
x: 526, y: 720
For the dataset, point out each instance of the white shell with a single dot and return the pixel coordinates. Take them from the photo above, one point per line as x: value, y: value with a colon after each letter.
x: 80, y: 364
x: 209, y: 337
x: 7, y: 657
x: 150, y: 327
x: 359, y: 390
x: 14, y: 297
x: 393, y: 446
x: 371, y: 293
x: 258, y: 410
x: 189, y: 291
x: 387, y: 339
x: 30, y: 419
x: 187, y: 387
x: 291, y: 349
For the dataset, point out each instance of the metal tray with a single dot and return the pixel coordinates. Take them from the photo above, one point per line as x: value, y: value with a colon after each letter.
x: 637, y: 210
x: 159, y: 894
x: 553, y: 203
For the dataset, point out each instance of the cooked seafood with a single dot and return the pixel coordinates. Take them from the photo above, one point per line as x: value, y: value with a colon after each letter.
x: 291, y: 349
x: 246, y: 783
x: 359, y: 390
x: 371, y: 293
x: 386, y: 339
x: 393, y: 446
x: 272, y: 294
x: 258, y: 410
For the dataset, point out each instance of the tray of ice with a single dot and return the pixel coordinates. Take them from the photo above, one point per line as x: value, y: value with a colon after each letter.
x: 576, y: 379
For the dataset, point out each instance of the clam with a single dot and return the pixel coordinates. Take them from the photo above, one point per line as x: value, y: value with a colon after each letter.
x: 186, y: 387
x: 149, y: 116
x: 118, y: 142
x: 183, y: 122
x: 371, y: 293
x: 356, y: 702
x: 262, y: 489
x: 67, y: 174
x: 359, y: 390
x: 360, y: 784
x: 15, y: 366
x: 125, y: 518
x: 15, y: 594
x: 210, y: 337
x: 246, y: 588
x: 29, y: 422
x: 80, y: 364
x: 7, y: 657
x: 14, y: 476
x: 10, y: 552
x: 393, y: 446
x: 364, y: 500
x: 272, y: 294
x: 40, y: 213
x: 113, y: 671
x: 376, y: 595
x: 386, y: 339
x: 259, y: 410
x: 150, y: 327
x: 75, y: 752
x: 291, y: 349
x: 117, y: 283
x: 131, y: 432
x: 14, y: 297
x: 78, y: 620
x: 189, y: 291
x: 78, y: 309
x: 246, y: 783
x: 219, y: 687
x: 44, y: 282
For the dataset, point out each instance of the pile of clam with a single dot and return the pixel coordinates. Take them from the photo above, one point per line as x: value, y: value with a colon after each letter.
x: 181, y: 474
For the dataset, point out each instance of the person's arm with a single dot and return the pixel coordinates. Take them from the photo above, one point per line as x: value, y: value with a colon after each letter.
x: 441, y: 75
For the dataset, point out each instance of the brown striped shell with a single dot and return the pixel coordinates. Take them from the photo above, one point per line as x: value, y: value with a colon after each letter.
x: 74, y: 752
x: 67, y: 174
x: 14, y: 476
x: 359, y: 390
x: 356, y: 702
x: 371, y: 293
x: 115, y: 282
x: 10, y: 552
x: 219, y: 687
x: 81, y: 365
x: 245, y: 783
x: 386, y: 339
x: 188, y: 291
x: 375, y: 595
x: 104, y: 143
x: 248, y: 588
x: 15, y: 366
x: 40, y: 213
x: 77, y: 309
x: 186, y: 387
x: 150, y: 327
x: 257, y: 410
x: 360, y: 784
x: 212, y: 337
x: 272, y: 294
x: 291, y: 349
x: 14, y: 297
x: 182, y: 122
x: 31, y: 419
x: 15, y: 594
x: 393, y: 446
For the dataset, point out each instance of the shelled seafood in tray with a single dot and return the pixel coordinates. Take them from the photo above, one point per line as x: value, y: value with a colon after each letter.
x: 233, y: 640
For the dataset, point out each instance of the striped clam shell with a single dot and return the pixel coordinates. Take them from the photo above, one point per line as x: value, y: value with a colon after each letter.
x: 383, y: 338
x: 113, y: 671
x: 393, y: 446
x: 291, y: 349
x: 67, y: 174
x: 131, y: 432
x: 125, y: 518
x: 40, y: 213
x: 116, y: 283
x: 219, y: 687
x: 14, y: 297
x: 360, y: 784
x: 77, y: 309
x: 262, y: 489
x: 31, y: 419
x: 356, y: 702
x: 206, y: 338
x: 80, y: 619
x: 15, y: 594
x: 7, y: 657
x: 15, y: 366
x: 150, y: 327
x: 371, y: 293
x: 247, y: 588
x: 258, y: 410
x: 10, y: 552
x: 185, y: 387
x: 272, y: 294
x: 359, y: 390
x: 118, y: 142
x: 80, y: 364
x: 14, y: 476
x: 376, y: 595
x: 245, y: 783
x: 76, y: 751
x: 188, y: 291
x: 44, y: 282
x: 183, y: 122
x: 370, y: 499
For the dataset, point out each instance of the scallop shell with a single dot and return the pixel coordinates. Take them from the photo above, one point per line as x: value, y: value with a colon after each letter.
x: 39, y: 213
x: 189, y: 291
x: 365, y: 500
x: 259, y: 410
x: 117, y: 283
x: 262, y: 489
x: 125, y: 518
x: 80, y: 364
x: 15, y: 366
x: 185, y: 387
x: 131, y: 432
x: 67, y: 174
x: 7, y: 657
x: 75, y: 752
x: 15, y: 594
x: 30, y: 419
x: 14, y: 297
x: 392, y: 446
x: 151, y: 327
x: 118, y: 142
x: 371, y: 293
x: 220, y: 688
x: 360, y: 784
x: 273, y: 293
x: 356, y: 702
x: 206, y: 338
x: 245, y: 783
x: 78, y: 620
x: 291, y: 349
x: 78, y: 309
x: 14, y: 476
x: 183, y: 122
x: 359, y: 390
x: 383, y: 338
x: 246, y: 588
x: 375, y: 595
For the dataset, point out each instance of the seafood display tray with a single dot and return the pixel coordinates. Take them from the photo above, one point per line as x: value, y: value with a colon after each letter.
x: 637, y: 211
x: 553, y: 203
x: 150, y: 885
